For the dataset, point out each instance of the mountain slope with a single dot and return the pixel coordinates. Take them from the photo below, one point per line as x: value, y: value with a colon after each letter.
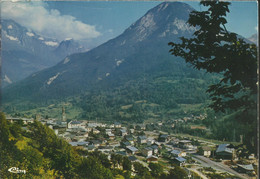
x: 25, y: 52
x: 253, y: 38
x: 136, y: 61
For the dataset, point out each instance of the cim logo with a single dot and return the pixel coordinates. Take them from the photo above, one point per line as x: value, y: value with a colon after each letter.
x: 16, y: 170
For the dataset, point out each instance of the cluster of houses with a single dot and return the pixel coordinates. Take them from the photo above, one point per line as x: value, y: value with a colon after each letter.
x: 115, y: 138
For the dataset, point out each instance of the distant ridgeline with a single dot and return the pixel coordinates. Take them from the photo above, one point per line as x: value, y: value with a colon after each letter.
x: 131, y: 77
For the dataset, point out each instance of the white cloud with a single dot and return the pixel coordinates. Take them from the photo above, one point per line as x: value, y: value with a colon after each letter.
x: 50, y: 23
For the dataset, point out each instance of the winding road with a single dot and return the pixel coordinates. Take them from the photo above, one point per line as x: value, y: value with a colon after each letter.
x: 218, y: 166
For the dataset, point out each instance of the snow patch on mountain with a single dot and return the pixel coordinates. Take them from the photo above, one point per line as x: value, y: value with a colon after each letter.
x: 6, y: 79
x: 52, y: 78
x: 162, y: 34
x: 30, y: 34
x: 23, y: 60
x: 10, y: 27
x: 107, y: 74
x: 162, y: 7
x: 66, y: 60
x: 123, y: 43
x: 51, y: 43
x: 11, y: 37
x: 118, y: 62
x: 175, y: 32
x: 254, y: 39
x: 147, y: 21
x: 41, y: 38
x: 146, y: 26
x: 182, y: 25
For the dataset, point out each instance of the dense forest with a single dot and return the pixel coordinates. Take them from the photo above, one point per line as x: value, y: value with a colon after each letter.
x: 37, y: 150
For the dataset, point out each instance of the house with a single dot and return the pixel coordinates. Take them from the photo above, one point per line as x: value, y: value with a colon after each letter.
x: 105, y: 149
x: 147, y: 151
x: 95, y: 131
x: 141, y: 139
x: 206, y: 151
x: 79, y: 143
x: 92, y: 125
x: 56, y: 131
x: 74, y: 144
x: 76, y: 124
x: 122, y: 153
x: 157, y: 143
x: 88, y: 129
x: 251, y: 157
x: 108, y: 131
x: 184, y: 143
x: 179, y: 161
x: 191, y: 147
x: 248, y: 169
x: 175, y: 142
x: 140, y: 127
x: 96, y: 143
x: 69, y: 137
x: 111, y: 136
x: 132, y: 158
x: 225, y: 151
x: 130, y: 139
x: 177, y: 153
x: 163, y: 138
x: 22, y: 120
x: 117, y: 125
x: 123, y: 132
x: 112, y: 125
x: 160, y: 123
x: 155, y: 149
x: 79, y: 138
x: 152, y: 158
x: 150, y: 141
x: 125, y: 144
x: 82, y: 133
x: 132, y: 150
x: 91, y: 147
x: 131, y: 131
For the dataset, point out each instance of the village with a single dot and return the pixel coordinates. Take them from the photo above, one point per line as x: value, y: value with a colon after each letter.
x: 199, y: 158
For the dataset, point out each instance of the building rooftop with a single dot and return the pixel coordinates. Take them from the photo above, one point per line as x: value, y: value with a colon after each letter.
x: 164, y: 136
x: 132, y: 158
x: 175, y: 152
x: 184, y: 141
x: 152, y: 156
x: 247, y: 167
x: 180, y: 159
x: 121, y: 153
x: 75, y: 122
x: 133, y: 149
x: 142, y: 137
x: 224, y: 148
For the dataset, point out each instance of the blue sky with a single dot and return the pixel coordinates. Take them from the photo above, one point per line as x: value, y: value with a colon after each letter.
x: 99, y: 21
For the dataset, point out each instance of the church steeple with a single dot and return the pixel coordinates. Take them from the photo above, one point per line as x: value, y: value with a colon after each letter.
x: 63, y: 114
